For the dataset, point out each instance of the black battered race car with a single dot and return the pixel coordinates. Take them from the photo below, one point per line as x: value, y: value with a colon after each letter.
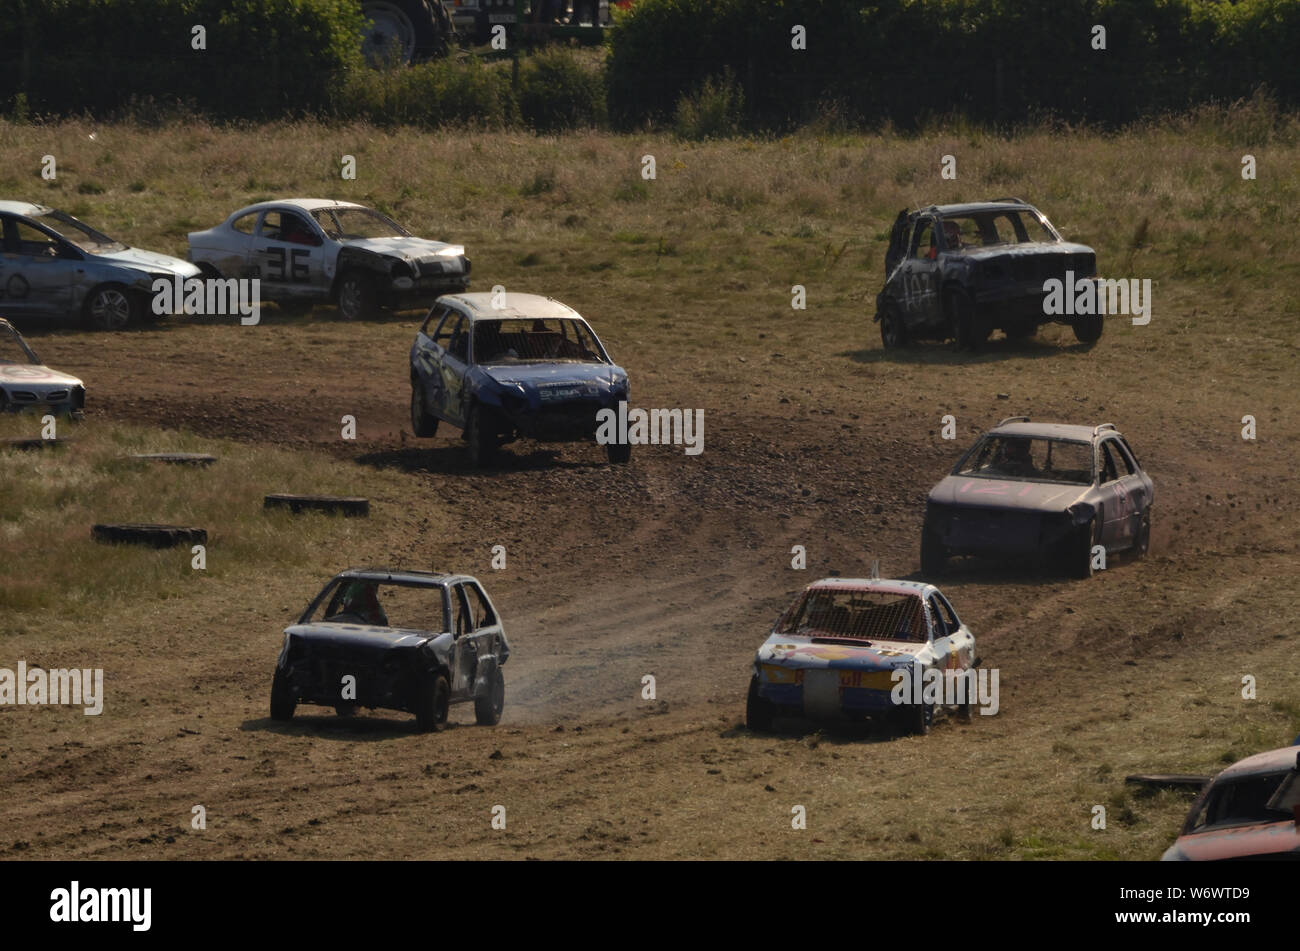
x: 962, y: 271
x: 400, y: 640
x: 1043, y: 489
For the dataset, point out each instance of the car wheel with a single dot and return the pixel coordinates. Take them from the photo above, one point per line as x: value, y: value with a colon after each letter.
x: 283, y: 701
x: 1142, y: 543
x: 1087, y: 329
x: 111, y: 307
x: 477, y: 441
x: 1021, y: 331
x: 934, y: 556
x: 432, y: 704
x: 619, y: 453
x: 1078, y: 551
x: 893, y: 332
x: 918, y: 718
x: 346, y: 709
x: 759, y: 713
x: 357, y: 296
x: 970, y: 329
x: 422, y: 422
x: 487, y: 708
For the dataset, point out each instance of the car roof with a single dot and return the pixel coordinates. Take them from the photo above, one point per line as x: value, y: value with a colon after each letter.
x: 24, y: 208
x: 1049, y: 431
x: 1269, y: 762
x: 412, y: 576
x: 975, y: 207
x: 479, y: 306
x: 883, y: 585
x: 305, y: 204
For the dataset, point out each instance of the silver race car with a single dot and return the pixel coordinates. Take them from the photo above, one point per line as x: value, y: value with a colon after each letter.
x: 25, y: 383
x: 55, y: 266
x: 306, y: 251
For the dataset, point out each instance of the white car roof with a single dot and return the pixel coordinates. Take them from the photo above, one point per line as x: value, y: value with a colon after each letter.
x: 883, y: 585
x: 24, y: 208
x: 479, y: 305
x: 305, y: 204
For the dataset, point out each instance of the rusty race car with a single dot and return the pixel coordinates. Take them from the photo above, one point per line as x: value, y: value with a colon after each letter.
x: 962, y: 271
x: 1251, y: 810
x: 26, y: 383
x: 1044, y: 489
x: 305, y: 251
x: 852, y: 649
x: 399, y: 640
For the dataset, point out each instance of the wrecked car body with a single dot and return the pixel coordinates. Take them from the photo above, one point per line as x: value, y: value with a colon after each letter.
x: 834, y: 654
x: 27, y: 384
x: 521, y: 365
x: 1040, y: 489
x: 399, y: 640
x: 305, y: 251
x: 962, y: 271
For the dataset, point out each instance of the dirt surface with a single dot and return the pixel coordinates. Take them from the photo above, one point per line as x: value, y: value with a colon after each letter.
x: 674, y: 567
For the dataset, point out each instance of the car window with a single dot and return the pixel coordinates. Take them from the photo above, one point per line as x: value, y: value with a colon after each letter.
x: 534, y: 340
x: 483, y: 616
x: 856, y: 614
x: 449, y: 327
x: 436, y: 313
x: 923, y: 241
x: 1109, y: 471
x: 462, y: 621
x: 288, y: 227
x: 945, y: 618
x: 1029, y: 458
x: 244, y: 224
x: 1124, y: 457
x: 34, y: 242
x: 1241, y: 801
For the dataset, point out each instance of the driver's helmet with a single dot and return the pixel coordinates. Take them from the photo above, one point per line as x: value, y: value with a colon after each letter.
x: 952, y: 233
x: 1016, y: 450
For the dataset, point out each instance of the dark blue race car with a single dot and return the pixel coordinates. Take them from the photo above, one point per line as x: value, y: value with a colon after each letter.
x: 504, y: 366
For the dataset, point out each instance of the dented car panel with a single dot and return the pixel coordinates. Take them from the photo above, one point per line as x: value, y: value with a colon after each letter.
x: 1040, y: 489
x: 962, y: 271
x: 304, y: 249
x: 834, y: 652
x: 350, y: 648
x: 27, y: 384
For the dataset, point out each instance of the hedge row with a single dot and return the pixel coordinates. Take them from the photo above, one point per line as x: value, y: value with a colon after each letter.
x: 907, y: 61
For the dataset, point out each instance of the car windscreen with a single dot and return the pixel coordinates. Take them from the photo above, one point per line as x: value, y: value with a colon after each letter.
x: 81, y: 235
x: 534, y: 340
x: 868, y: 615
x: 381, y: 604
x: 993, y: 228
x: 1029, y: 459
x: 1241, y: 802
x: 345, y: 224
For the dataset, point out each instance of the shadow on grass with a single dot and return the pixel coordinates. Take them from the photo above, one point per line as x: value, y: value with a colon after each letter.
x: 448, y: 460
x: 946, y: 354
x: 268, y: 316
x: 327, y: 725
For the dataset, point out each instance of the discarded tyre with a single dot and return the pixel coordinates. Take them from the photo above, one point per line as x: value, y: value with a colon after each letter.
x: 343, y: 504
x: 152, y: 536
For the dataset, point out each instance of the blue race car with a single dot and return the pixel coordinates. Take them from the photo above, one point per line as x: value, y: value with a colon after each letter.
x: 505, y: 366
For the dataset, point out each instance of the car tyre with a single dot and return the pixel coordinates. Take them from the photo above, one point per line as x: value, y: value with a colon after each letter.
x: 971, y: 330
x: 1021, y: 331
x: 916, y: 718
x: 893, y: 331
x: 112, y: 307
x: 432, y: 704
x: 346, y: 709
x: 357, y: 298
x: 1087, y: 329
x: 1078, y: 551
x: 934, y: 556
x: 423, y: 423
x: 421, y: 28
x: 1142, y: 543
x: 759, y: 713
x: 619, y: 454
x: 283, y: 702
x: 477, y: 440
x: 487, y: 708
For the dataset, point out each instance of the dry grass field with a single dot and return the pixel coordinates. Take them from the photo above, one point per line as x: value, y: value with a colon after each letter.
x: 677, y: 565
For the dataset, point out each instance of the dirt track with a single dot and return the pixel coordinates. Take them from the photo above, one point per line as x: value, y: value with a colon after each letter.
x: 674, y: 567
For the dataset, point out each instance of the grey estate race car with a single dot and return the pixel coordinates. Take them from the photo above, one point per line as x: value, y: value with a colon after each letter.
x: 518, y: 365
x: 53, y: 265
x: 306, y: 251
x: 400, y: 640
x: 1042, y: 489
x: 962, y: 271
x: 27, y: 384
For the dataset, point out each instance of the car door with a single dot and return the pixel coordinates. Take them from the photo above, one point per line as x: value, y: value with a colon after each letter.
x: 288, y: 255
x: 487, y: 626
x: 1135, y: 487
x: 452, y: 341
x: 464, y: 663
x: 953, y: 643
x: 36, y: 271
x: 919, y: 275
x: 1118, y: 507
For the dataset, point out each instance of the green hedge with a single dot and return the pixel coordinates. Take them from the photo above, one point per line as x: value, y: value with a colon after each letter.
x: 263, y: 57
x: 906, y: 61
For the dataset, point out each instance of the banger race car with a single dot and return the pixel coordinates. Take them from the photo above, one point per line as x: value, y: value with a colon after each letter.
x: 26, y: 383
x: 1251, y: 810
x: 399, y: 640
x: 55, y: 266
x: 1043, y: 489
x: 833, y: 654
x: 524, y: 365
x: 307, y: 251
x: 962, y: 271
